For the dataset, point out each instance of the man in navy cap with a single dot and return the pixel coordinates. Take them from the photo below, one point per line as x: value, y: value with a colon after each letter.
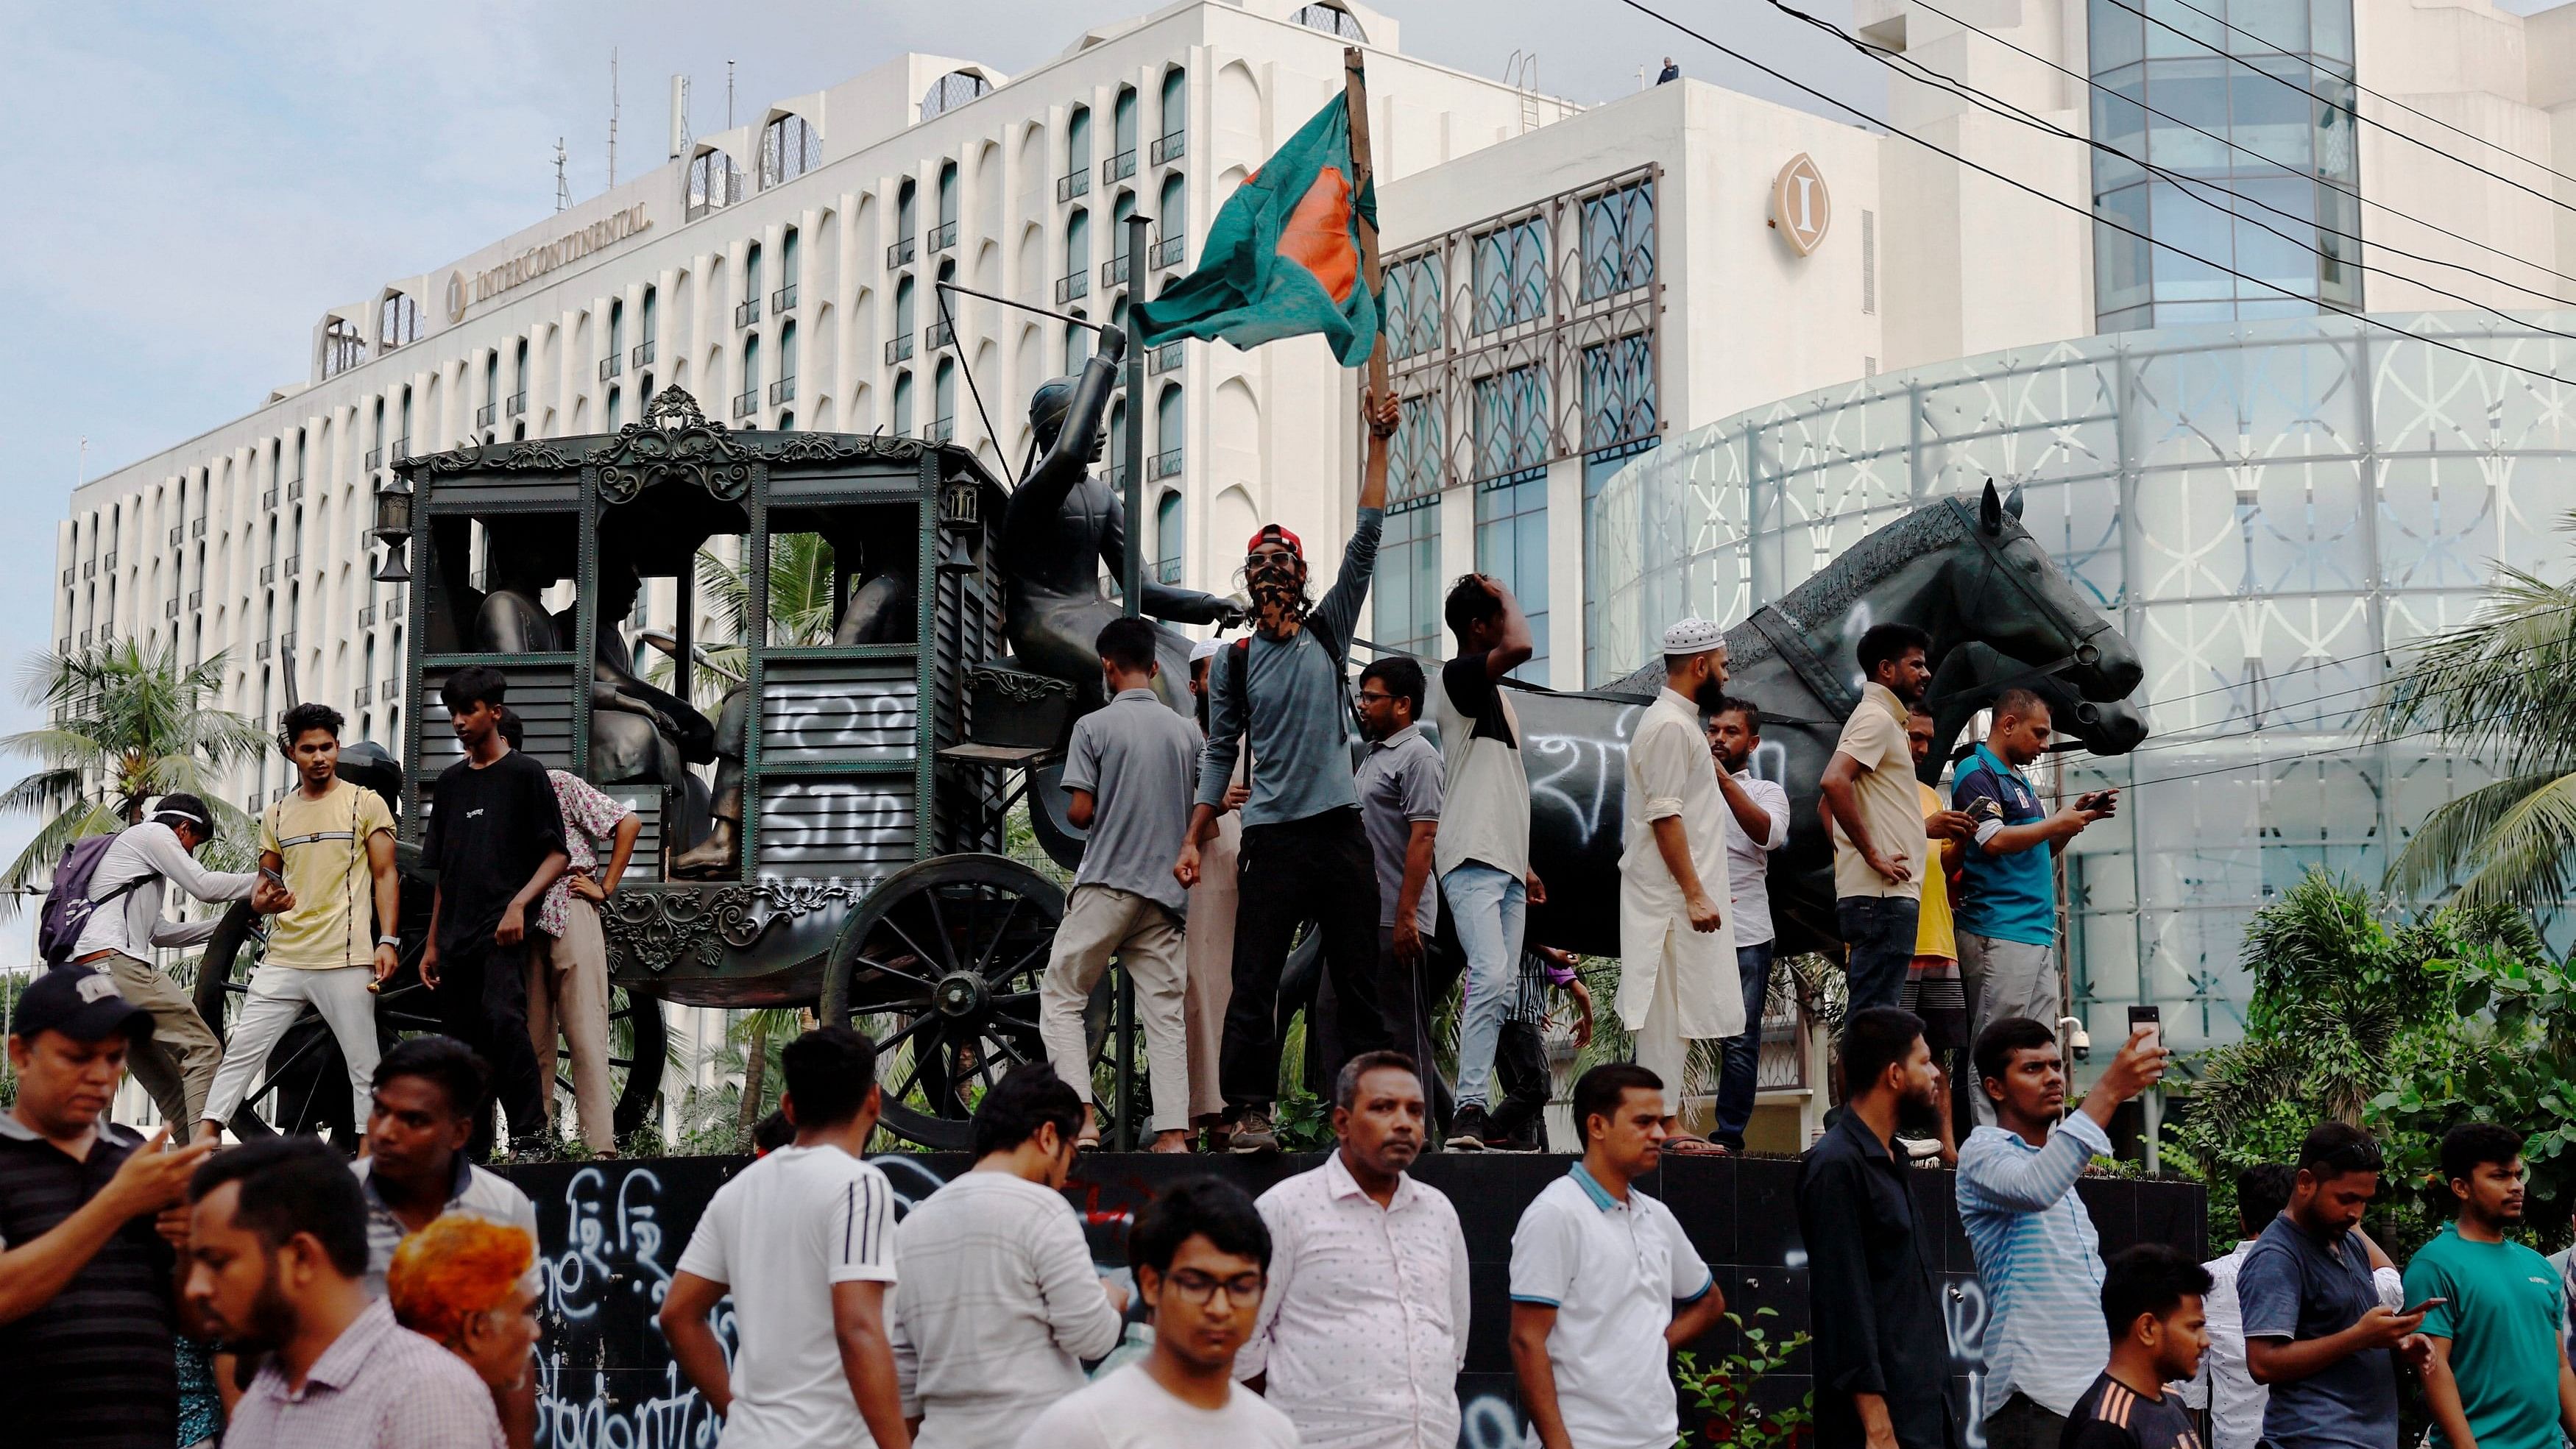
x: 86, y: 1314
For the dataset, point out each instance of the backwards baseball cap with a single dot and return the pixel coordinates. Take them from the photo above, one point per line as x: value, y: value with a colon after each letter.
x: 81, y: 1004
x: 1273, y: 533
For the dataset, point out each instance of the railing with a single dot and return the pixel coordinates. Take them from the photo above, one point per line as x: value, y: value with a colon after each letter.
x: 196, y: 598
x: 268, y: 573
x: 1072, y: 184
x: 1113, y: 272
x: 69, y: 575
x: 108, y: 561
x: 938, y: 335
x: 402, y: 449
x: 518, y: 404
x: 65, y: 646
x: 942, y: 430
x: 1165, y: 464
x: 84, y: 638
x: 367, y: 617
x: 642, y: 356
x: 782, y: 391
x: 942, y: 237
x: 1118, y: 167
x: 170, y: 609
x: 362, y: 696
x: 295, y: 491
x: 609, y: 367
x: 177, y: 532
x: 746, y: 311
x: 286, y: 641
x: 484, y: 417
x: 900, y: 254
x: 1169, y: 252
x: 259, y: 650
x: 1170, y: 148
x: 290, y: 567
x: 268, y: 498
x: 89, y: 568
x: 783, y: 300
x: 393, y: 687
x: 745, y: 404
x: 1166, y: 358
x: 197, y: 528
x: 376, y: 454
x: 1070, y: 287
x: 898, y: 347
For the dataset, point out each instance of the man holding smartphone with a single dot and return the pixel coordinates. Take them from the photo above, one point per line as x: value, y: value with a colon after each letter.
x: 2007, y: 908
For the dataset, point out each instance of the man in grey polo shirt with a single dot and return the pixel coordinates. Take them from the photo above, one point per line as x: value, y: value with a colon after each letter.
x: 1129, y: 770
x: 1400, y: 789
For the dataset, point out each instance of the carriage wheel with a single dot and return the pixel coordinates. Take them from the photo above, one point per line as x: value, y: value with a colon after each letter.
x: 946, y: 955
x: 638, y: 1047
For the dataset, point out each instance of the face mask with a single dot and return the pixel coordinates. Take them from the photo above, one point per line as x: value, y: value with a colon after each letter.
x: 1276, y: 585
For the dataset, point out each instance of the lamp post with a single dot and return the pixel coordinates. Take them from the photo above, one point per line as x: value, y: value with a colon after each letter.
x: 393, y: 529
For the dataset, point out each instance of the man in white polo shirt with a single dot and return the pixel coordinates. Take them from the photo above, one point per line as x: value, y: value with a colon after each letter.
x: 1596, y: 1269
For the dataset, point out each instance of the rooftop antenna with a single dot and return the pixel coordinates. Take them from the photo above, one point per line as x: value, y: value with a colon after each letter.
x: 728, y: 95
x: 563, y: 183
x: 612, y: 118
x: 679, y: 116
x: 80, y: 475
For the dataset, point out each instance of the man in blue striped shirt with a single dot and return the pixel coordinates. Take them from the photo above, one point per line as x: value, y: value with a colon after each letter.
x: 2037, y: 1253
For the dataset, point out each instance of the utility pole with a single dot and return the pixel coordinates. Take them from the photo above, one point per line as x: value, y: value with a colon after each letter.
x: 728, y: 95
x: 612, y: 118
x: 563, y: 183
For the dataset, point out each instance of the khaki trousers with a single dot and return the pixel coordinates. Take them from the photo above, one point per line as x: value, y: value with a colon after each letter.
x: 1209, y: 951
x: 1100, y: 922
x: 568, y: 991
x: 178, y: 1065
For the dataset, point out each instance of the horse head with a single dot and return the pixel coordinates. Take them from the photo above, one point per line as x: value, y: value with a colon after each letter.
x: 2009, y: 593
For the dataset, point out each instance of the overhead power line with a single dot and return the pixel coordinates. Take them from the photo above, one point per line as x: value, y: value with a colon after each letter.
x: 2321, y: 179
x: 2363, y: 318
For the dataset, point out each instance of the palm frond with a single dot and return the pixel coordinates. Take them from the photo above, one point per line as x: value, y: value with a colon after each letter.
x: 2527, y: 851
x: 2452, y: 838
x: 2503, y: 685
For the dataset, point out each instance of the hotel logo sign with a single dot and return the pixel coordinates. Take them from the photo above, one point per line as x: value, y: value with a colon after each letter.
x: 1801, y: 208
x: 465, y: 291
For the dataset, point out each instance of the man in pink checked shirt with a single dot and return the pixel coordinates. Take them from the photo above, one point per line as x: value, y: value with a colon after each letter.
x: 567, y: 955
x: 1364, y: 1327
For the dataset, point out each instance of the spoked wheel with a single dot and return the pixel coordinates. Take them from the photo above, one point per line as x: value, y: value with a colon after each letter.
x: 945, y: 957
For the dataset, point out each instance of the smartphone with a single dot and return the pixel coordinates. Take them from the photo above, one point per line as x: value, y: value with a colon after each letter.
x: 270, y: 875
x: 2151, y: 1017
x: 2427, y: 1306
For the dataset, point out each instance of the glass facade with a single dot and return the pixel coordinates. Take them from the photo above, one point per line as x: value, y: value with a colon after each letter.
x: 2268, y: 176
x: 2269, y: 511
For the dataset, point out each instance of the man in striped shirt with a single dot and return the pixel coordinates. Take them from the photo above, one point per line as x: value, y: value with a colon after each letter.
x: 2037, y: 1253
x: 804, y: 1241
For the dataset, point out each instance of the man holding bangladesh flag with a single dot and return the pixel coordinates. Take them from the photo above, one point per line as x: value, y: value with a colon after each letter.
x: 1293, y: 251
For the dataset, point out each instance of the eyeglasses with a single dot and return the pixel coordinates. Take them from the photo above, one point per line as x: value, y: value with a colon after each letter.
x: 1201, y: 1289
x: 1374, y: 697
x: 1269, y: 556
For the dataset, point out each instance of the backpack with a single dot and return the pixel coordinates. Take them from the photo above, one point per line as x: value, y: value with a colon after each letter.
x: 68, y: 906
x: 1238, y: 676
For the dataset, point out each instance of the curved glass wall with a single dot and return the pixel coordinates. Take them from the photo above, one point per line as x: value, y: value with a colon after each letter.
x: 2268, y: 175
x: 2269, y: 511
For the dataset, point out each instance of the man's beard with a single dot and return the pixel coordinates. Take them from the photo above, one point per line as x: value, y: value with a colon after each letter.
x: 272, y: 1319
x: 1712, y: 693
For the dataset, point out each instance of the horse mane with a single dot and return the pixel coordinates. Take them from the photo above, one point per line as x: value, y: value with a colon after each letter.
x: 1831, y: 591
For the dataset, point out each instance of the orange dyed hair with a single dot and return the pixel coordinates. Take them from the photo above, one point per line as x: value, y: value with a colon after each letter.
x: 455, y: 1268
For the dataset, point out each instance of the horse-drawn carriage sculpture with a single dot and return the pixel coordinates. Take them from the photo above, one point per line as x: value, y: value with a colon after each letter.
x: 834, y: 837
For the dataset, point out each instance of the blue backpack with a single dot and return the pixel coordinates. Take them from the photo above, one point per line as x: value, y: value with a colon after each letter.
x: 68, y: 906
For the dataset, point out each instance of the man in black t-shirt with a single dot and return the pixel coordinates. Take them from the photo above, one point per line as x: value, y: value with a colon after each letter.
x: 2151, y: 1300
x: 496, y: 840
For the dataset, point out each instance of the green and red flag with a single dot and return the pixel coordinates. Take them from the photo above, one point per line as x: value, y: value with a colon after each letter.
x: 1282, y: 257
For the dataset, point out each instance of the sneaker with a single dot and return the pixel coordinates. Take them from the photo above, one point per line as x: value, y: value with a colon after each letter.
x: 1254, y: 1134
x: 1467, y: 1131
x: 1513, y: 1143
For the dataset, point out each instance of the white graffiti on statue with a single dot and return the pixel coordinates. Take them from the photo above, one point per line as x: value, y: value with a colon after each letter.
x: 1489, y: 1421
x: 1964, y: 1309
x: 613, y: 1239
x: 1587, y: 774
x: 677, y: 1417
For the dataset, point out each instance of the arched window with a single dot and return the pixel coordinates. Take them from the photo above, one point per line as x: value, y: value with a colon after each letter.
x: 903, y: 317
x: 903, y: 404
x: 785, y: 297
x: 1076, y: 281
x: 343, y: 347
x: 1076, y: 180
x: 951, y: 91
x: 749, y: 400
x: 784, y: 389
x: 943, y: 310
x: 1175, y: 115
x: 900, y: 250
x: 943, y: 402
x: 644, y: 343
x: 944, y: 235
x: 1330, y: 19
x: 1172, y: 222
x: 397, y: 322
x: 714, y: 181
x: 613, y: 419
x: 789, y: 147
x: 1122, y: 138
x: 1077, y: 346
x: 402, y: 443
x: 518, y: 393
x: 616, y: 337
x: 786, y: 420
x: 1169, y: 531
x: 751, y: 278
x: 1114, y: 273
x: 1168, y: 418
x: 1118, y: 443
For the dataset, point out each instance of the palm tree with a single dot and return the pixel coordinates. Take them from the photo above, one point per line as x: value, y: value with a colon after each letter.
x: 125, y: 726
x: 800, y: 608
x: 2503, y: 689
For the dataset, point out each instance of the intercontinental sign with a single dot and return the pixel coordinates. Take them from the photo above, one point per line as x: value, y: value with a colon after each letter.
x: 469, y: 291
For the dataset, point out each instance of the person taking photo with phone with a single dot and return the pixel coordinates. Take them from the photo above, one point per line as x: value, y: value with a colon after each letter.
x: 2007, y: 909
x: 2498, y: 1375
x: 2037, y: 1252
x: 2316, y: 1331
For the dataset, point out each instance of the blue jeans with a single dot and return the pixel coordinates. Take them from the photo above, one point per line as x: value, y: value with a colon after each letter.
x: 1878, y: 935
x: 1740, y: 1078
x: 1490, y: 909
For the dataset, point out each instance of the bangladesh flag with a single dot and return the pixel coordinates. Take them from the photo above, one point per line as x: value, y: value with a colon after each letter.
x: 1282, y: 257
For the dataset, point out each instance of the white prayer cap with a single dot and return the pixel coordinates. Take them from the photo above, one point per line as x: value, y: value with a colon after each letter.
x: 1207, y: 649
x: 1693, y: 636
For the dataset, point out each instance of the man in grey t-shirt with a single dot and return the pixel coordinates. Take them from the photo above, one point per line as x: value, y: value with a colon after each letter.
x: 1129, y: 770
x: 1304, y: 855
x: 1401, y: 789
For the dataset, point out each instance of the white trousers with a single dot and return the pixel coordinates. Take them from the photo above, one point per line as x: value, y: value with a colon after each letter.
x: 1661, y: 1048
x: 278, y: 995
x: 1103, y: 921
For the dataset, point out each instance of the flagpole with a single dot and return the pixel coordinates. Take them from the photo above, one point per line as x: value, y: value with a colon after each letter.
x: 1355, y: 99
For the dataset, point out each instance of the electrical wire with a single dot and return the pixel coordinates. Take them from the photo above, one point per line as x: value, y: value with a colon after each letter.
x: 2321, y: 179
x: 1803, y: 88
x: 2380, y: 95
x: 2357, y: 116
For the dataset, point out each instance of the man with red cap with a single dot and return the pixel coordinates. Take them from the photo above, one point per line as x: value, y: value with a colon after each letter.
x: 1282, y: 693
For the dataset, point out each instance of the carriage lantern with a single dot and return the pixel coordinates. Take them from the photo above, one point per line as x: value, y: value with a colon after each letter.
x: 960, y: 512
x: 393, y: 529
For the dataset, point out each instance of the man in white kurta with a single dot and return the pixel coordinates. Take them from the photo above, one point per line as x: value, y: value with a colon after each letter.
x: 1677, y: 969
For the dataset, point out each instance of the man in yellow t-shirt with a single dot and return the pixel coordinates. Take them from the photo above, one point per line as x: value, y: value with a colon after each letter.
x: 333, y: 843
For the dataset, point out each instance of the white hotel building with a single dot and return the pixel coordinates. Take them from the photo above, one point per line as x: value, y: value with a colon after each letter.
x: 1573, y: 292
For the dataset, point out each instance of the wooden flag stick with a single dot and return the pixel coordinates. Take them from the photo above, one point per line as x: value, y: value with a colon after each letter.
x: 1355, y: 98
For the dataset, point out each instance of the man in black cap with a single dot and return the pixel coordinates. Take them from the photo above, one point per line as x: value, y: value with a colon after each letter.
x: 86, y: 1314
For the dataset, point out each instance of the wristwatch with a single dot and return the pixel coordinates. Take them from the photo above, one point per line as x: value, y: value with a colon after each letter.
x: 393, y: 941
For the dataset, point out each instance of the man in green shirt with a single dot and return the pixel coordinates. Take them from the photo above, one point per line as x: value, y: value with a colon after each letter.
x: 2499, y: 1377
